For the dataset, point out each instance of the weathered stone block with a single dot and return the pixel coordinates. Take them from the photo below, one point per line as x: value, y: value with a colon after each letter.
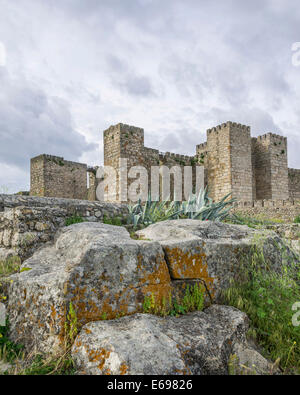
x: 96, y: 267
x: 212, y: 251
x: 195, y: 344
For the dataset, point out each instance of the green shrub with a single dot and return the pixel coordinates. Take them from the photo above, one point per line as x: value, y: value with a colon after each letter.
x: 9, y: 351
x: 297, y: 219
x: 48, y: 365
x: 71, y: 326
x: 75, y: 219
x: 267, y: 298
x: 252, y: 222
x: 117, y: 221
x: 10, y: 266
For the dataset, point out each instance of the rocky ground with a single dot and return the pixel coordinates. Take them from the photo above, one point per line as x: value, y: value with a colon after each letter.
x: 89, y: 287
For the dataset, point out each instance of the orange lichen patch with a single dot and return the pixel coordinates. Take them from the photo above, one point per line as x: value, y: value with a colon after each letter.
x: 86, y: 308
x: 123, y: 369
x: 53, y: 313
x: 99, y: 356
x: 159, y: 274
x: 187, y: 265
x: 183, y: 372
x: 184, y: 357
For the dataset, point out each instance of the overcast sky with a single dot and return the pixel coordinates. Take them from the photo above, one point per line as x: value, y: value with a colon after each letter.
x: 71, y: 68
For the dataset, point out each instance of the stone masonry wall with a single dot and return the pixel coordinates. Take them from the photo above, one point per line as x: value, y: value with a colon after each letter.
x: 124, y: 141
x: 285, y: 210
x: 227, y: 159
x: 271, y: 169
x: 241, y: 161
x: 26, y: 223
x: 294, y: 183
x: 55, y: 177
x: 248, y: 168
x: 218, y: 159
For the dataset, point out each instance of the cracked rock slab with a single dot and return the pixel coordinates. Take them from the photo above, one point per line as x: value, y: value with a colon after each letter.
x: 96, y: 267
x: 213, y: 251
x: 197, y: 343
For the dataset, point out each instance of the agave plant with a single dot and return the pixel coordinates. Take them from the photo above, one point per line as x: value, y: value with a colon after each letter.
x: 152, y: 211
x: 202, y: 207
x: 199, y: 207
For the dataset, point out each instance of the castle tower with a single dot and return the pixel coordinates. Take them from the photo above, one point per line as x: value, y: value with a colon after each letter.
x: 229, y: 162
x: 53, y: 176
x: 271, y: 168
x: 123, y: 141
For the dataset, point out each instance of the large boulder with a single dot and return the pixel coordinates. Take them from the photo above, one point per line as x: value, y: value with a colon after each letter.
x: 96, y: 267
x: 98, y: 271
x: 215, y: 252
x: 198, y: 343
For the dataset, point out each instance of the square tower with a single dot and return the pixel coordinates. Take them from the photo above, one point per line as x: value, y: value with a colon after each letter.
x: 52, y: 176
x: 123, y: 141
x: 271, y: 167
x: 229, y: 162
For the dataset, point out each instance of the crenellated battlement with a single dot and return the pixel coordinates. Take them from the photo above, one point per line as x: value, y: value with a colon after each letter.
x: 201, y: 146
x: 250, y: 168
x: 175, y: 159
x: 228, y: 124
x: 272, y: 137
x: 123, y: 128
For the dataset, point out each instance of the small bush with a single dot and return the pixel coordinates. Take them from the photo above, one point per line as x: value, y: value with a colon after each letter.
x: 9, y: 351
x: 10, y: 266
x: 251, y: 222
x: 71, y: 326
x: 43, y: 365
x: 75, y: 219
x: 117, y: 221
x: 267, y: 298
x: 297, y: 219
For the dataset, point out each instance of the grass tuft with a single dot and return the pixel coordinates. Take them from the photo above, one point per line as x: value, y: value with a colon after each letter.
x: 268, y: 297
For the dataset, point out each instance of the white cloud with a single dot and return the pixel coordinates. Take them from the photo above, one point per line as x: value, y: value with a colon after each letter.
x: 2, y: 55
x: 174, y: 68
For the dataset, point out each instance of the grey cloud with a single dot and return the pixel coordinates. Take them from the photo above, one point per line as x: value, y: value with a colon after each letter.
x: 260, y: 121
x: 123, y: 77
x: 174, y: 67
x: 138, y: 86
x: 32, y: 123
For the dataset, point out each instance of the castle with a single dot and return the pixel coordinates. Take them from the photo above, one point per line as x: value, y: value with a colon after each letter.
x: 249, y: 168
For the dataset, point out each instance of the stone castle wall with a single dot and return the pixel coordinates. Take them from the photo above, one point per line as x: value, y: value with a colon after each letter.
x: 124, y: 141
x: 227, y: 158
x: 270, y: 166
x: 28, y: 222
x: 294, y: 183
x: 53, y: 176
x: 281, y: 210
x: 248, y: 168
